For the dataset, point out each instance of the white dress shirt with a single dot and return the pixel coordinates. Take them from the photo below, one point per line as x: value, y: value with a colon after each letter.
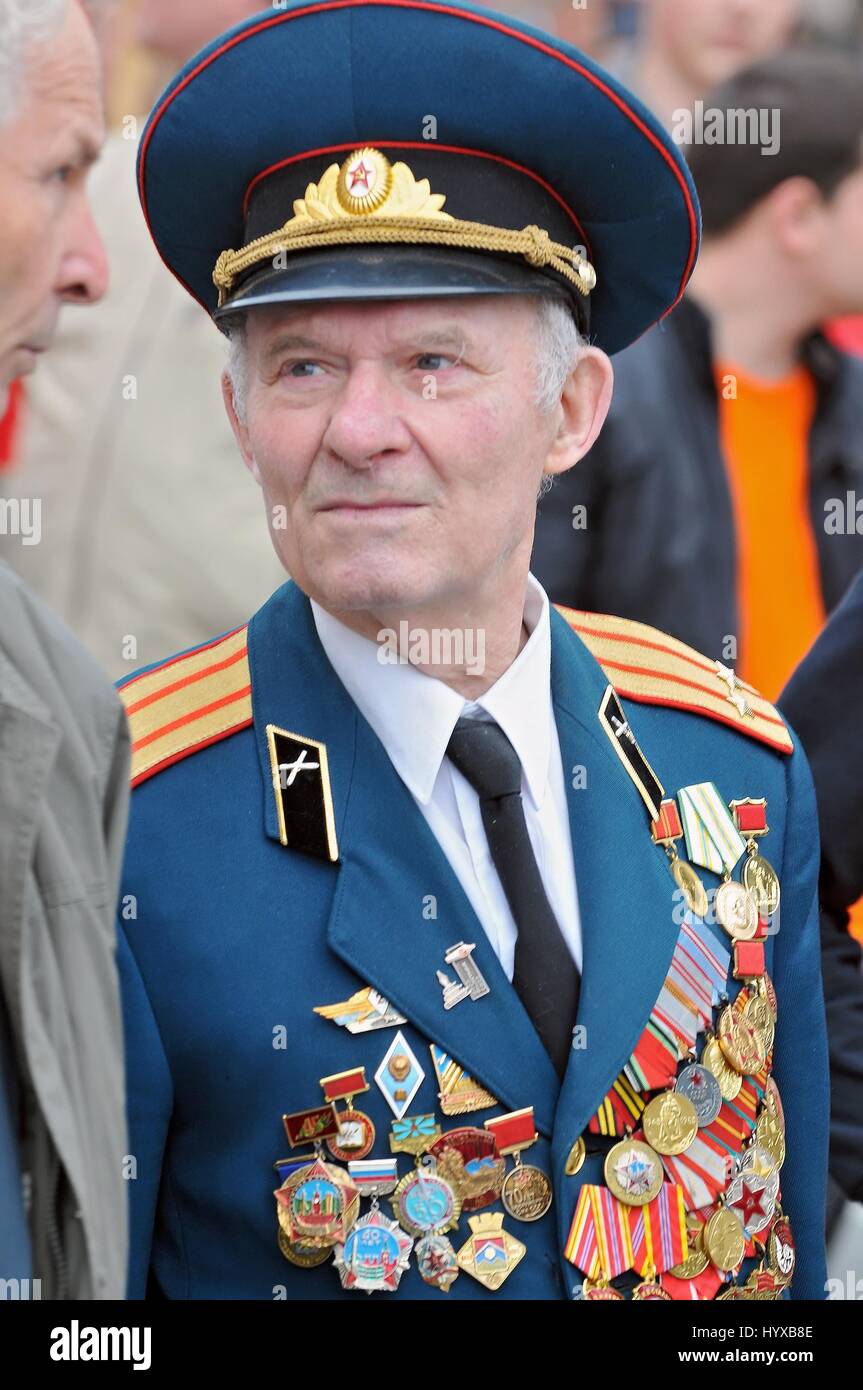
x: 414, y: 715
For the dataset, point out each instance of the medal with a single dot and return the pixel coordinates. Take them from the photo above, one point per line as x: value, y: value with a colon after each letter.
x: 374, y: 1177
x: 766, y: 987
x: 670, y: 1123
x: 757, y: 1011
x: 374, y: 1256
x: 772, y: 1104
x: 724, y: 1240
x: 527, y: 1192
x: 437, y: 1262
x: 750, y: 1197
x: 665, y: 830
x: 771, y: 1136
x: 713, y: 1058
x: 472, y: 982
x: 702, y: 1090
x: 317, y: 1206
x: 781, y: 1252
x: 758, y: 875
x: 633, y: 1172
x: 736, y: 910
x: 742, y: 1045
x: 650, y: 1291
x: 695, y: 1261
x: 575, y: 1158
x: 490, y: 1253
x: 468, y: 1159
x: 399, y: 1075
x: 427, y: 1206
x: 424, y: 1203
x: 356, y: 1134
x: 459, y: 1094
x: 311, y: 1126
x: 414, y: 1134
x: 362, y: 1013
x: 757, y: 1160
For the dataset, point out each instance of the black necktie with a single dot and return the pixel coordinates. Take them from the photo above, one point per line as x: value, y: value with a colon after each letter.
x: 545, y: 978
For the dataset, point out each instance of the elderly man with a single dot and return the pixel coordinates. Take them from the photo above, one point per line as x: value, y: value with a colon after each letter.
x: 63, y: 798
x: 398, y: 918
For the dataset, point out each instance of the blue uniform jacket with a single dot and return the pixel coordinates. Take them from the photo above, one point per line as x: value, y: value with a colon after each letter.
x: 229, y: 937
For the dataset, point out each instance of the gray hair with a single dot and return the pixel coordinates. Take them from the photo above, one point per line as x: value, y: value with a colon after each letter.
x: 23, y: 25
x: 558, y: 345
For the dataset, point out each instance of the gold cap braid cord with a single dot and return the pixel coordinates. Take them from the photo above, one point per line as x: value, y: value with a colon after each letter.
x: 403, y: 210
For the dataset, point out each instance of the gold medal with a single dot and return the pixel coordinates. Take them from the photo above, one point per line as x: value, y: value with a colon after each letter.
x: 490, y: 1253
x: 742, y: 1044
x: 772, y: 1103
x: 690, y: 885
x: 758, y: 1012
x: 670, y: 1123
x: 761, y: 880
x: 633, y: 1172
x: 770, y: 1136
x: 650, y: 1291
x: 736, y: 909
x: 724, y: 1240
x: 527, y: 1193
x: 766, y: 987
x: 713, y: 1058
x: 575, y: 1158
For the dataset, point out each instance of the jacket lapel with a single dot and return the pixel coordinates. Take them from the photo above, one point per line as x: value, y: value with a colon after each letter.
x: 397, y: 906
x: 625, y: 891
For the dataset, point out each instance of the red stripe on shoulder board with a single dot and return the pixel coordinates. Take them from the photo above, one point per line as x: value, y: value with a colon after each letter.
x: 184, y: 752
x: 181, y: 656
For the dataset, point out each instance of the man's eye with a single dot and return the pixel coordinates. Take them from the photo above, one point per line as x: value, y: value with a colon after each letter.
x: 62, y: 174
x: 301, y: 369
x: 434, y: 361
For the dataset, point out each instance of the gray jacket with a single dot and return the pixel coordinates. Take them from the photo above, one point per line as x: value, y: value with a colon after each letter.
x: 63, y: 804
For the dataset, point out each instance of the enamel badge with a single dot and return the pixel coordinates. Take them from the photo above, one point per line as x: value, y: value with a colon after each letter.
x: 301, y: 786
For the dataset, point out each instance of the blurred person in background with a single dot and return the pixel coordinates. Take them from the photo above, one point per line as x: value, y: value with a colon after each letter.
x: 683, y: 48
x: 149, y: 528
x: 63, y: 797
x: 735, y: 440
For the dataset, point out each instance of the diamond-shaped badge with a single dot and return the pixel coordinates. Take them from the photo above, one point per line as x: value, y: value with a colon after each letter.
x: 399, y: 1075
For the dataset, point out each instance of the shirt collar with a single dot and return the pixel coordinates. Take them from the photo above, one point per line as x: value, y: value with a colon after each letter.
x: 414, y: 714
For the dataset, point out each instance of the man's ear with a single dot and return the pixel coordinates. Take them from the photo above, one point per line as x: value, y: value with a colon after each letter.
x: 241, y: 430
x: 583, y: 407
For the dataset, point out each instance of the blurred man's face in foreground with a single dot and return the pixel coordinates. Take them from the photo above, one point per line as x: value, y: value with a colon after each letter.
x: 50, y: 250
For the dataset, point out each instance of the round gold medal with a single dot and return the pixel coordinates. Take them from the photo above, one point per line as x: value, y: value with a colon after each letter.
x: 761, y: 879
x: 690, y: 885
x: 741, y: 1042
x: 526, y: 1193
x: 713, y: 1058
x: 670, y: 1123
x: 758, y: 1012
x: 736, y: 910
x: 724, y: 1240
x: 633, y: 1171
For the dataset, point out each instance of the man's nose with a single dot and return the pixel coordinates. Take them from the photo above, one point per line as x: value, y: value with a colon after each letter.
x: 84, y: 270
x: 366, y: 421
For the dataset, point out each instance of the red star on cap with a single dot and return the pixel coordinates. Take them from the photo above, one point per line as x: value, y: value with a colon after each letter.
x: 359, y: 174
